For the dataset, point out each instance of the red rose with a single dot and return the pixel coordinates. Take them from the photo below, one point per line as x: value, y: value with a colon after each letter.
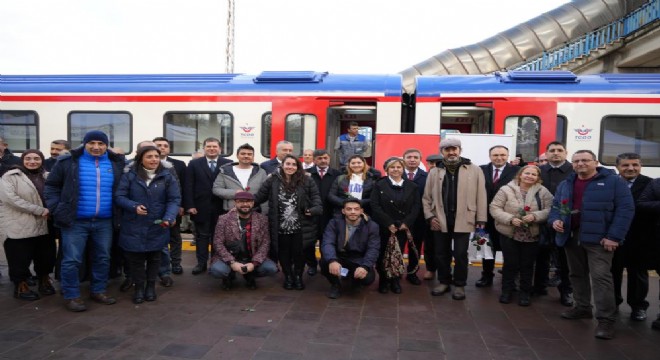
x: 247, y: 188
x: 527, y: 208
x: 481, y: 241
x: 564, y: 202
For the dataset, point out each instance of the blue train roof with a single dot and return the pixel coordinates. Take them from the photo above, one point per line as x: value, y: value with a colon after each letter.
x: 563, y: 82
x: 268, y: 81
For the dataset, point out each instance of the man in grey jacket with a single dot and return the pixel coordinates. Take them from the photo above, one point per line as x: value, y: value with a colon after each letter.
x: 243, y: 175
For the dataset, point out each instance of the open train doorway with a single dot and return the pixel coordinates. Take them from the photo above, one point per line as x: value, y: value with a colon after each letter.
x: 465, y: 119
x: 341, y: 117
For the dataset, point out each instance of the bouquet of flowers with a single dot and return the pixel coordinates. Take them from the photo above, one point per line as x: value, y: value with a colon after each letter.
x: 481, y: 241
x: 523, y: 212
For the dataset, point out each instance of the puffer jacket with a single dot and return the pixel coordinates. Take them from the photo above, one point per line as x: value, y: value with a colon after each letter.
x: 508, y: 202
x: 162, y: 198
x: 226, y: 184
x: 308, y: 199
x: 22, y: 209
x: 607, y: 208
x: 62, y: 186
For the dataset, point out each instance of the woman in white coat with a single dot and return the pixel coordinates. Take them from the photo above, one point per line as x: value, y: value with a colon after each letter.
x: 25, y: 221
x: 519, y: 209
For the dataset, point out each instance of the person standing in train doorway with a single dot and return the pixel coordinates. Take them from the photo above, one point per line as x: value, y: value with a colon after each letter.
x: 350, y: 144
x: 79, y: 192
x: 455, y: 204
x: 198, y: 199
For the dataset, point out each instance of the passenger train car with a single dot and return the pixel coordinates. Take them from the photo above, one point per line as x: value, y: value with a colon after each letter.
x: 608, y: 113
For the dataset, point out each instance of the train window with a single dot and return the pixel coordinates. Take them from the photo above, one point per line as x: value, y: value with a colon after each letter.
x: 300, y: 130
x: 187, y: 131
x: 19, y: 130
x: 637, y: 134
x: 560, y: 135
x: 525, y: 130
x: 117, y: 125
x: 266, y: 136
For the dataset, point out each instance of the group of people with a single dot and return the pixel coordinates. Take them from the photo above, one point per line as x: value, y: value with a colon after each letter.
x: 252, y: 220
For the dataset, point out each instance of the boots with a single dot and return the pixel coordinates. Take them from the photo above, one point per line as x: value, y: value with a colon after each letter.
x: 45, y: 286
x: 22, y: 291
x: 288, y: 282
x: 250, y: 281
x: 138, y: 296
x: 298, y: 283
x: 150, y: 291
x: 383, y: 284
x: 395, y: 285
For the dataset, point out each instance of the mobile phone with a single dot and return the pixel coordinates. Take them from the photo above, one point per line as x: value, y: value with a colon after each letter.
x: 343, y: 272
x: 244, y: 268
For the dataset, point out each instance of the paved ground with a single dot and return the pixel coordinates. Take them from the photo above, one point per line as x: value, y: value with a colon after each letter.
x: 195, y: 319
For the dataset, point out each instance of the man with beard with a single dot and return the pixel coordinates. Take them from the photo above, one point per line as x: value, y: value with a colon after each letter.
x: 56, y: 148
x: 241, y: 244
x: 455, y: 203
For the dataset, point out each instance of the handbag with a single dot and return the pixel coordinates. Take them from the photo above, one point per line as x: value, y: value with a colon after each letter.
x: 393, y: 259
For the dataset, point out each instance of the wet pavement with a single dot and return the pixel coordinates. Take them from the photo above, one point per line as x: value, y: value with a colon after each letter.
x: 196, y: 319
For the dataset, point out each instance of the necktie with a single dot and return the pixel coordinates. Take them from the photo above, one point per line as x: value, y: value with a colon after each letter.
x: 411, y: 176
x: 496, y: 177
x: 212, y: 165
x: 321, y: 172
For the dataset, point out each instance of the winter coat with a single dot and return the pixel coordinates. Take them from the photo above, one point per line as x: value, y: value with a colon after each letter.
x: 649, y: 202
x: 7, y: 160
x: 226, y: 184
x: 62, y: 186
x: 387, y: 210
x: 362, y: 248
x: 308, y: 199
x: 339, y: 192
x: 471, y: 199
x: 508, y: 202
x: 607, y: 208
x: 21, y: 209
x: 228, y: 235
x: 162, y: 198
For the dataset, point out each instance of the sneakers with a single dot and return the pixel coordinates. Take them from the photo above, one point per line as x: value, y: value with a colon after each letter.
x: 605, y: 330
x: 102, y: 298
x: 76, y: 305
x: 577, y: 313
x: 440, y: 290
x: 459, y: 293
x: 566, y: 298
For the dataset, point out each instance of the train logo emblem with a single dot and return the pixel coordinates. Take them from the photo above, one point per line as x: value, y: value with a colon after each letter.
x: 247, y: 131
x: 583, y: 133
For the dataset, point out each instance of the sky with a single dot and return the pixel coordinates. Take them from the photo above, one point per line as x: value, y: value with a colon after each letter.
x: 189, y: 36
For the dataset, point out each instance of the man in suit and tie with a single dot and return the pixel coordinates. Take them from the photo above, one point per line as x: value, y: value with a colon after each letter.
x: 175, y: 232
x: 323, y: 176
x: 497, y: 173
x: 420, y: 230
x: 634, y: 254
x: 282, y: 149
x: 198, y: 199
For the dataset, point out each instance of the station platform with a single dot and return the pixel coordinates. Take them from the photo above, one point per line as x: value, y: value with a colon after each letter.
x: 196, y: 319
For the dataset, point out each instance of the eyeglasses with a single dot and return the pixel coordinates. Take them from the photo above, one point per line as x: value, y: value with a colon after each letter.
x: 585, y: 161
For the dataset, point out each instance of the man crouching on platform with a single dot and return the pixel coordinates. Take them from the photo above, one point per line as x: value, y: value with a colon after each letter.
x: 349, y: 248
x: 241, y: 244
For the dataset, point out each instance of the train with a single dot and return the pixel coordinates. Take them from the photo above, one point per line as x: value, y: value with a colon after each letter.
x: 606, y: 113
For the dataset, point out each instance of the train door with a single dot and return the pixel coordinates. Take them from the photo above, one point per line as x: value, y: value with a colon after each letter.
x: 341, y: 115
x: 302, y: 121
x: 533, y: 125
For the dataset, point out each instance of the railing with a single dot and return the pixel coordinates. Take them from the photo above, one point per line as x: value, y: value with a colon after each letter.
x: 599, y: 38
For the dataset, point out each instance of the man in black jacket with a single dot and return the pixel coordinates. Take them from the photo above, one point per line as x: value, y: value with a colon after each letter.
x: 497, y: 173
x: 349, y: 248
x: 175, y: 231
x: 198, y: 199
x: 56, y: 148
x: 7, y: 159
x: 420, y: 230
x: 634, y: 254
x: 323, y: 176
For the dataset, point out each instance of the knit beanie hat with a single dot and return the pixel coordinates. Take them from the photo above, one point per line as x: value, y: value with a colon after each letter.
x: 97, y: 135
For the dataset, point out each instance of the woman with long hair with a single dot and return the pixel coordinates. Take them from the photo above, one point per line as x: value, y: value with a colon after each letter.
x: 149, y: 195
x: 395, y: 203
x: 357, y: 183
x: 519, y: 209
x: 293, y: 202
x: 24, y: 219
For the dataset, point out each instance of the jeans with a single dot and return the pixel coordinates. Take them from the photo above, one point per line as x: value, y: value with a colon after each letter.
x: 221, y: 270
x: 96, y: 232
x: 175, y: 243
x: 165, y: 268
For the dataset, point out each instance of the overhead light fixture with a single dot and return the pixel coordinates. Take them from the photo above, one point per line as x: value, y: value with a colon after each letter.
x: 358, y: 111
x: 455, y: 113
